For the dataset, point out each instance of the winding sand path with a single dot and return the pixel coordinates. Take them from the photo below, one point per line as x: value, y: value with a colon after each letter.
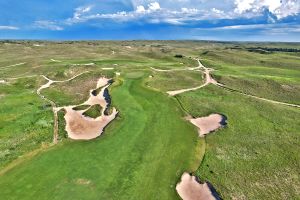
x: 209, y: 80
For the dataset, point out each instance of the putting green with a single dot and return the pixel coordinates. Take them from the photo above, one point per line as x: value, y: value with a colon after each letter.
x: 141, y: 155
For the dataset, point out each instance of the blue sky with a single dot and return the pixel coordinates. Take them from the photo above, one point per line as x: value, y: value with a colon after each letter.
x: 240, y: 20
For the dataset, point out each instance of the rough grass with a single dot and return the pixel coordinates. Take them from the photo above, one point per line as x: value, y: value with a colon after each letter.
x: 94, y: 111
x: 25, y: 120
x: 256, y: 156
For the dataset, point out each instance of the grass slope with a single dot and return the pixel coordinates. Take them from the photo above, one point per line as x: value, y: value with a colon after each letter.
x: 257, y: 155
x: 141, y: 156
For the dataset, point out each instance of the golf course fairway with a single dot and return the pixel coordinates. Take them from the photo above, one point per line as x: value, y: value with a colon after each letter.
x: 141, y: 155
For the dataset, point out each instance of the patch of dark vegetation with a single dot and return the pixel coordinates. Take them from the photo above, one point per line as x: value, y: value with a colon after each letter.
x: 178, y: 56
x: 164, y: 50
x: 93, y: 112
x: 45, y: 106
x: 205, y: 52
x: 265, y: 50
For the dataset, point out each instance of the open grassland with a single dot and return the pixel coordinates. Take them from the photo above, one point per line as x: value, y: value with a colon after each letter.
x: 145, y: 150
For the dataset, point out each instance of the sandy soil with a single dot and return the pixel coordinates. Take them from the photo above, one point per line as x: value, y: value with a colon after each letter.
x: 207, y: 124
x: 190, y: 189
x: 102, y: 82
x: 80, y: 127
x: 99, y: 99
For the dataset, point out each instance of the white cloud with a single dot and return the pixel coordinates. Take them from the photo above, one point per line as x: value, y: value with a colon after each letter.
x: 154, y: 6
x: 280, y: 8
x: 80, y: 11
x: 9, y: 28
x: 272, y: 28
x: 243, y: 5
x: 290, y: 7
x: 153, y: 12
x: 50, y: 25
x: 140, y: 9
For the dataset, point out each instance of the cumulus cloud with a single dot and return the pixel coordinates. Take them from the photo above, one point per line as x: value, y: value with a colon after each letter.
x: 50, y: 25
x: 280, y: 8
x: 154, y: 6
x: 151, y: 13
x: 9, y: 28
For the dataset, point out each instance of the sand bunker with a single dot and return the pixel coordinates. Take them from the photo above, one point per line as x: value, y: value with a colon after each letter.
x: 80, y: 127
x: 102, y: 82
x: 209, y: 124
x: 190, y: 189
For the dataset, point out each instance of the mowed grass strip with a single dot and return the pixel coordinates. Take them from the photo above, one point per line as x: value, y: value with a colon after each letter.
x: 141, y: 155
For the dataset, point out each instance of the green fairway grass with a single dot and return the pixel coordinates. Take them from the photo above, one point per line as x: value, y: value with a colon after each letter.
x: 141, y: 155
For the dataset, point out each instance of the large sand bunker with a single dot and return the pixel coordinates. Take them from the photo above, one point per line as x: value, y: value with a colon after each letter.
x: 80, y: 127
x: 190, y: 189
x: 209, y: 123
